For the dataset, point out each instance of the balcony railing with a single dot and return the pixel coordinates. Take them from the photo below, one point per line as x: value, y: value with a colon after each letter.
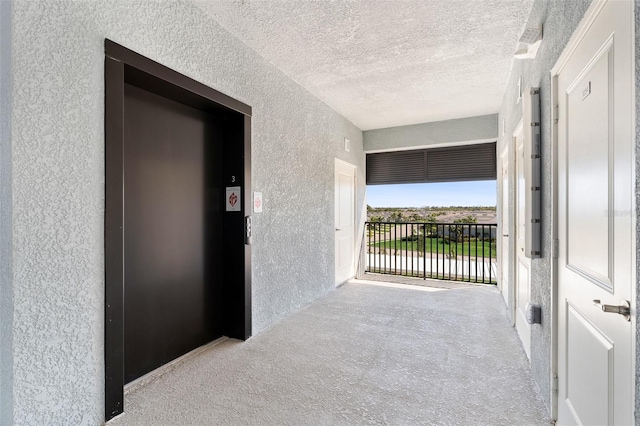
x: 445, y: 251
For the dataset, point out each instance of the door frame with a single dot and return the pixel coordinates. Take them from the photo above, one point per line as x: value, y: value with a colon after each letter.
x: 120, y: 61
x: 516, y: 232
x: 506, y: 156
x: 514, y: 224
x: 578, y: 35
x: 355, y: 189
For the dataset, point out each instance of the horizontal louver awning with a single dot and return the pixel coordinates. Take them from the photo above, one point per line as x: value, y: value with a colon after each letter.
x: 451, y: 164
x: 401, y: 166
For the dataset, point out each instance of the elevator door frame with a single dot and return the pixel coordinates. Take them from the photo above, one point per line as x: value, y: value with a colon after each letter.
x: 161, y: 80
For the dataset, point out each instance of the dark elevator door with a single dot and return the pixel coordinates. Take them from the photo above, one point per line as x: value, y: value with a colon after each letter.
x: 172, y: 230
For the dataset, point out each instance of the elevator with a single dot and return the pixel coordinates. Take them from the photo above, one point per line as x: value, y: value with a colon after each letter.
x: 177, y: 252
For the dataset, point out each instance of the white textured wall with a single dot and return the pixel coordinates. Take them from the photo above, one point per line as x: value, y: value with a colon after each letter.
x: 6, y: 297
x: 479, y: 128
x: 637, y: 170
x: 57, y: 198
x: 559, y: 20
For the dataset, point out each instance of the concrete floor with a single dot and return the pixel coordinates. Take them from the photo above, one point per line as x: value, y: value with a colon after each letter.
x: 367, y: 353
x: 416, y: 281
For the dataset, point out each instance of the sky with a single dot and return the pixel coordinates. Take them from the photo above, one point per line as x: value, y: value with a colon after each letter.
x: 467, y: 194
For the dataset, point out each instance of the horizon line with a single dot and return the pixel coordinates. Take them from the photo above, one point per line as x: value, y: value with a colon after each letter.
x: 429, y: 207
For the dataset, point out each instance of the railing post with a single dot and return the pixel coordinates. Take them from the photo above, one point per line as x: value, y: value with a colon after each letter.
x: 424, y: 250
x: 395, y: 249
x: 475, y: 263
x: 368, y: 240
x: 483, y: 280
x: 469, y: 253
x: 382, y: 251
x: 430, y: 250
x: 406, y: 260
x: 376, y: 239
x: 443, y: 258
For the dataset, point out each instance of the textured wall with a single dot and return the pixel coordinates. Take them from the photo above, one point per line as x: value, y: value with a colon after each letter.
x: 58, y: 184
x: 438, y: 132
x: 6, y: 297
x: 637, y: 79
x: 559, y: 20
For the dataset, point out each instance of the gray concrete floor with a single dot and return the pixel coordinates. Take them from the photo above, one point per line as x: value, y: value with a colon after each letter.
x: 368, y: 353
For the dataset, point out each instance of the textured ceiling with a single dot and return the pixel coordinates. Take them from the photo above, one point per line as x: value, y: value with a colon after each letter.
x: 386, y: 63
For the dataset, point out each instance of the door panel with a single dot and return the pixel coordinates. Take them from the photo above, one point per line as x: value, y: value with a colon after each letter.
x: 172, y: 231
x: 588, y: 387
x: 523, y: 263
x: 589, y: 175
x: 345, y: 175
x: 523, y: 288
x: 504, y: 221
x: 595, y: 224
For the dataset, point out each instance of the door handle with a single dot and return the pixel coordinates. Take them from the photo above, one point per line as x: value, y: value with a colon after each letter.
x: 624, y: 309
x: 337, y: 229
x: 505, y: 235
x: 247, y: 230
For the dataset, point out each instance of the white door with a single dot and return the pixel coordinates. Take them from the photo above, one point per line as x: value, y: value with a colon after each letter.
x: 595, y: 223
x: 523, y: 263
x: 345, y: 219
x: 504, y: 227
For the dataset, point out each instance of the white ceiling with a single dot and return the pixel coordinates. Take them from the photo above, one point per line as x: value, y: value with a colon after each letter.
x: 386, y: 63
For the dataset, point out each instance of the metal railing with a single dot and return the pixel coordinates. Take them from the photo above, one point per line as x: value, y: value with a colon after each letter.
x: 445, y: 251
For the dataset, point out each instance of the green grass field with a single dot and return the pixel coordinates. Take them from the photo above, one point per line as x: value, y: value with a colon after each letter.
x: 440, y: 246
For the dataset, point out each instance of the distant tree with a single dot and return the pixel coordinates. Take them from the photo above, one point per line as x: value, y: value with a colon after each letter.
x: 467, y: 219
x: 432, y: 217
x: 453, y: 250
x: 415, y: 217
x: 396, y: 216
